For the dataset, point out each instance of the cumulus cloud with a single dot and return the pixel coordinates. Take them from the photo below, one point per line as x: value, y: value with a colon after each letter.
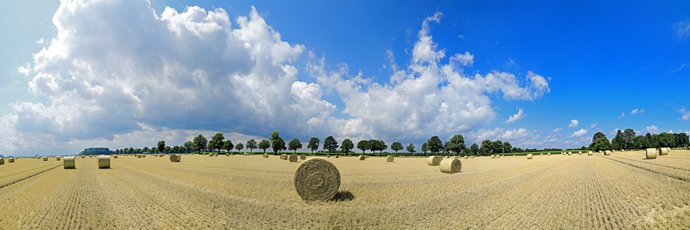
x: 650, y: 129
x: 636, y: 111
x: 685, y: 116
x: 613, y: 133
x: 557, y: 130
x: 24, y: 70
x: 622, y: 115
x: 578, y: 133
x: 682, y: 29
x: 464, y: 59
x: 573, y: 123
x: 592, y: 126
x: 515, y: 117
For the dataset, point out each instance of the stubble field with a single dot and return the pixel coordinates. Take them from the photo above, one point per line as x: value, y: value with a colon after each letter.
x: 250, y: 192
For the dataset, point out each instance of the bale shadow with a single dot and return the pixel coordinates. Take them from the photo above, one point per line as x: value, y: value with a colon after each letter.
x: 343, y: 196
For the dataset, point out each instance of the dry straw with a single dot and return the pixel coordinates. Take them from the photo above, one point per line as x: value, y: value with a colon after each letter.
x: 11, y: 160
x: 265, y: 155
x: 390, y: 158
x: 466, y: 157
x: 138, y: 156
x: 69, y: 163
x: 317, y: 179
x: 434, y: 160
x: 175, y: 158
x: 2, y: 161
x: 337, y: 156
x: 548, y: 154
x: 293, y: 158
x: 362, y: 157
x: 115, y: 156
x: 103, y: 162
x: 590, y: 153
x: 651, y: 153
x: 283, y: 156
x: 529, y: 156
x: 302, y: 157
x: 662, y: 151
x: 607, y: 152
x: 58, y: 158
x: 45, y: 159
x: 450, y: 166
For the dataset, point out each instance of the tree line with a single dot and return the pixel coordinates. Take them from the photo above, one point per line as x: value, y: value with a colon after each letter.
x: 628, y: 140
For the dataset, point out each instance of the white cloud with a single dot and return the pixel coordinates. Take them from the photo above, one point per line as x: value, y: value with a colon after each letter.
x: 682, y: 65
x: 578, y: 133
x: 613, y: 133
x: 686, y: 114
x: 636, y: 111
x: 24, y: 70
x: 515, y: 117
x: 557, y: 130
x: 622, y: 115
x: 682, y: 29
x: 464, y: 59
x: 592, y: 126
x: 40, y: 41
x: 573, y: 123
x: 650, y: 129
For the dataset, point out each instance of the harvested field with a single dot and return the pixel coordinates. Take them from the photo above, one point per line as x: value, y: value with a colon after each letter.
x: 620, y: 191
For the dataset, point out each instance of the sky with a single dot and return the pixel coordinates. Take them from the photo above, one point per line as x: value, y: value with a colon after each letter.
x: 538, y: 74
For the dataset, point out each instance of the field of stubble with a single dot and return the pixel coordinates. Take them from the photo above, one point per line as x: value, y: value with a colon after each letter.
x: 251, y: 192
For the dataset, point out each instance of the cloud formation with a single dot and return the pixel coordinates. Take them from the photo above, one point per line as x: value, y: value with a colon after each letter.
x: 573, y: 123
x: 636, y: 111
x: 685, y: 114
x: 650, y: 129
x: 682, y: 29
x: 578, y: 133
x: 515, y: 117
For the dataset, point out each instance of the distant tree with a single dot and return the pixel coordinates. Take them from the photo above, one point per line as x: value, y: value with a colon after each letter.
x: 167, y: 149
x: 227, y: 145
x: 498, y: 146
x: 216, y: 142
x: 363, y: 145
x: 456, y: 144
x: 600, y: 142
x: 507, y: 147
x: 347, y: 146
x: 313, y: 144
x: 396, y: 146
x: 410, y: 148
x: 294, y: 145
x: 239, y: 147
x: 628, y: 138
x: 425, y: 148
x: 264, y: 144
x: 597, y: 136
x: 200, y: 143
x: 381, y: 146
x: 474, y: 148
x: 146, y: 149
x: 446, y: 148
x: 251, y: 145
x: 638, y: 142
x: 277, y: 142
x: 330, y: 144
x: 648, y: 141
x: 682, y: 139
x: 487, y: 147
x: 161, y: 146
x: 188, y: 145
x: 434, y: 144
x: 666, y: 140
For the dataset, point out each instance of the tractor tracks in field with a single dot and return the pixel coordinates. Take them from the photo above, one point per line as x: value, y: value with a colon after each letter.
x: 649, y: 169
x: 14, y: 181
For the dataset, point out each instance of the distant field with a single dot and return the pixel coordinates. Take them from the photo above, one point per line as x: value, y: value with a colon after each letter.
x: 250, y: 192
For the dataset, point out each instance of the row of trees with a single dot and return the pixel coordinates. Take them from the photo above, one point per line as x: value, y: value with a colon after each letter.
x: 627, y: 140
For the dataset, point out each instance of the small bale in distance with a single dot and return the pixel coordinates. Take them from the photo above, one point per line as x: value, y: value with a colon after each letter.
x: 390, y: 159
x: 11, y: 160
x: 337, y: 156
x: 590, y: 153
x: 662, y: 151
x: 302, y: 157
x: 362, y: 157
x: 175, y: 158
x: 2, y: 161
x: 450, y: 165
x: 45, y: 159
x: 283, y: 156
x: 103, y: 162
x: 607, y: 152
x: 650, y: 153
x: 434, y: 160
x: 293, y: 158
x: 69, y: 163
x: 317, y: 179
x: 467, y: 157
x: 529, y: 156
x: 265, y: 155
x: 58, y: 158
x: 115, y: 156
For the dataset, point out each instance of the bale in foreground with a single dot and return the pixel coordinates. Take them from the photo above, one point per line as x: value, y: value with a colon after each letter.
x: 434, y: 160
x: 317, y: 179
x: 663, y: 151
x: 529, y: 156
x: 651, y: 153
x: 450, y: 165
x: 175, y: 158
x: 103, y: 162
x: 69, y: 162
x: 11, y: 160
x: 390, y: 159
x: 362, y: 157
x: 2, y: 161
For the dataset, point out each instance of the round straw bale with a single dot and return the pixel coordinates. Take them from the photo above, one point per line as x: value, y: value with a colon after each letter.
x: 265, y: 155
x: 317, y: 179
x: 138, y: 156
x: 434, y: 160
x: 607, y: 152
x: 11, y: 160
x: 175, y: 158
x: 548, y: 154
x: 467, y: 157
x: 651, y: 153
x: 103, y: 162
x: 662, y: 151
x: 82, y: 156
x: 292, y: 158
x: 529, y: 156
x: 302, y: 157
x: 337, y: 156
x: 590, y: 153
x: 69, y: 163
x: 450, y: 165
x: 45, y: 159
x: 58, y: 158
x: 493, y: 156
x: 472, y: 156
x: 362, y: 157
x: 283, y: 156
x: 2, y: 161
x: 390, y: 158
x: 115, y: 156
x: 143, y: 156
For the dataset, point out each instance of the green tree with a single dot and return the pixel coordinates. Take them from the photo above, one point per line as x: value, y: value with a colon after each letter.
x: 507, y: 147
x: 618, y: 142
x: 628, y: 138
x: 434, y: 144
x: 425, y: 148
x: 456, y: 144
x: 638, y: 142
x: 167, y: 149
x: 200, y: 143
x: 446, y: 147
x: 227, y: 145
x: 216, y: 142
x: 600, y: 142
x: 487, y: 147
x: 347, y: 146
x: 277, y: 142
x: 498, y: 146
x: 597, y: 136
x: 396, y: 146
x: 381, y: 145
x: 364, y: 146
x: 648, y: 141
x: 251, y: 145
x: 410, y: 148
x: 161, y: 146
x: 666, y: 140
x: 264, y: 144
x: 313, y: 144
x: 294, y: 145
x: 188, y: 145
x: 474, y: 148
x: 330, y: 144
x: 239, y: 147
x: 146, y: 149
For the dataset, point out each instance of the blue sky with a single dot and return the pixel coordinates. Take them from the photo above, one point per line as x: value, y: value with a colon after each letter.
x: 536, y: 74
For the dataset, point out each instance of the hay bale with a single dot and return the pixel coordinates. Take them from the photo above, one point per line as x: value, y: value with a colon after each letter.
x: 590, y: 153
x: 450, y: 166
x: 283, y: 157
x: 607, y: 152
x: 434, y: 160
x: 302, y: 157
x: 650, y: 153
x: 337, y: 156
x: 103, y: 162
x: 472, y: 156
x: 265, y: 155
x: 115, y: 156
x: 292, y: 158
x: 175, y: 158
x: 45, y: 159
x: 2, y: 161
x: 138, y: 156
x: 466, y: 157
x: 493, y: 156
x: 11, y: 160
x: 662, y: 151
x: 143, y: 156
x: 390, y: 158
x: 548, y: 154
x: 529, y: 156
x: 362, y: 157
x: 317, y: 179
x: 82, y: 157
x: 58, y: 159
x: 69, y: 163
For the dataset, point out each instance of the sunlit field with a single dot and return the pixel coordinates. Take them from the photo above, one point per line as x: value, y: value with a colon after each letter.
x: 622, y: 190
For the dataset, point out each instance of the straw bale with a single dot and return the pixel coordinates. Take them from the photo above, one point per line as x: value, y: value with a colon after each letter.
x: 434, y: 160
x: 317, y: 179
x: 103, y: 162
x: 450, y: 165
x: 69, y: 163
